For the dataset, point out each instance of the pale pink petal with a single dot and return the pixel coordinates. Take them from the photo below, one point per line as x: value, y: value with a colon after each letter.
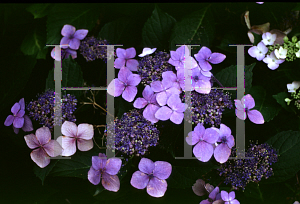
x: 94, y: 176
x: 110, y: 182
x: 18, y: 122
x: 119, y: 63
x: 115, y: 88
x: 113, y: 166
x: 147, y: 93
x: 199, y: 131
x: 85, y: 145
x: 140, y: 103
x: 31, y: 141
x: 249, y: 101
x: 256, y: 117
x: 231, y: 195
x: 222, y: 153
x: 230, y: 141
x: 40, y: 157
x: 224, y: 195
x: 216, y: 58
x: 85, y: 131
x: 163, y: 113
x: 74, y: 44
x: 177, y: 117
x: 68, y: 144
x: 99, y: 162
x: 121, y: 53
x: 69, y: 129
x: 156, y: 86
x: 53, y: 148
x: 173, y: 101
x: 162, y: 98
x: 133, y: 80
x: 192, y: 138
x: 224, y: 130
x: 241, y: 114
x: 210, y: 135
x: 130, y: 53
x: 68, y: 30
x: 149, y: 113
x: 43, y: 135
x: 123, y: 74
x: 139, y: 180
x: 169, y: 75
x: 238, y: 104
x: 9, y: 120
x: 80, y: 34
x: 203, y: 151
x: 129, y: 93
x: 162, y: 169
x: 27, y: 127
x: 146, y: 166
x: 132, y: 64
x: 156, y: 187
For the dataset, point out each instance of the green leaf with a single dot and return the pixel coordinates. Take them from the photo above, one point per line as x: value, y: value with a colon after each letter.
x: 115, y: 31
x: 297, y: 7
x: 280, y: 98
x: 196, y: 28
x: 39, y: 10
x: 157, y: 29
x: 71, y: 77
x: 34, y: 44
x: 18, y: 69
x: 43, y: 172
x: 288, y: 145
x: 185, y: 177
x: 227, y: 76
x: 264, y: 103
x: 81, y: 16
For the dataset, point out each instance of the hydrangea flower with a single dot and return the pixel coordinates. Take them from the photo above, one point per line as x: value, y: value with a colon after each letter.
x: 171, y: 76
x: 200, y: 83
x: 280, y: 53
x: 243, y: 107
x: 132, y: 134
x: 164, y: 90
x: 83, y: 134
x: 125, y: 59
x: 200, y: 188
x: 258, y: 51
x: 268, y: 38
x: 174, y: 113
x: 203, y: 139
x: 72, y: 36
x: 293, y: 86
x: 223, y: 150
x: 43, y: 145
x: 125, y: 84
x: 147, y: 51
x: 149, y: 101
x: 152, y: 175
x: 19, y: 119
x: 272, y: 61
x: 179, y: 58
x: 229, y: 198
x: 65, y: 53
x: 205, y: 57
x: 296, y: 202
x: 214, y: 197
x: 106, y: 169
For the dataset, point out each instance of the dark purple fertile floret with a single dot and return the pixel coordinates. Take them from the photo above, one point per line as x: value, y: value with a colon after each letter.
x: 42, y: 109
x: 240, y: 172
x: 133, y: 133
x: 208, y: 108
x: 91, y: 49
x: 151, y: 68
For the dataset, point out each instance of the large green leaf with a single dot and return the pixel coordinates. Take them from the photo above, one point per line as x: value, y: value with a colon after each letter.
x: 157, y: 29
x: 185, y: 177
x: 34, y: 44
x: 227, y: 76
x: 81, y: 16
x: 71, y: 77
x: 39, y: 10
x: 43, y: 172
x: 288, y: 145
x: 196, y: 28
x: 264, y: 103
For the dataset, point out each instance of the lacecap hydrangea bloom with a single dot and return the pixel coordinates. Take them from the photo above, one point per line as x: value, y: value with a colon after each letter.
x: 105, y: 169
x: 133, y: 134
x: 72, y: 36
x: 42, y: 109
x: 239, y: 172
x: 152, y: 175
x: 19, y: 119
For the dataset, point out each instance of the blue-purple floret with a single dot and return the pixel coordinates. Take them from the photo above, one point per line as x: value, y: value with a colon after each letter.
x: 42, y: 109
x: 208, y: 108
x: 151, y: 68
x: 91, y: 50
x: 133, y: 133
x: 240, y: 172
